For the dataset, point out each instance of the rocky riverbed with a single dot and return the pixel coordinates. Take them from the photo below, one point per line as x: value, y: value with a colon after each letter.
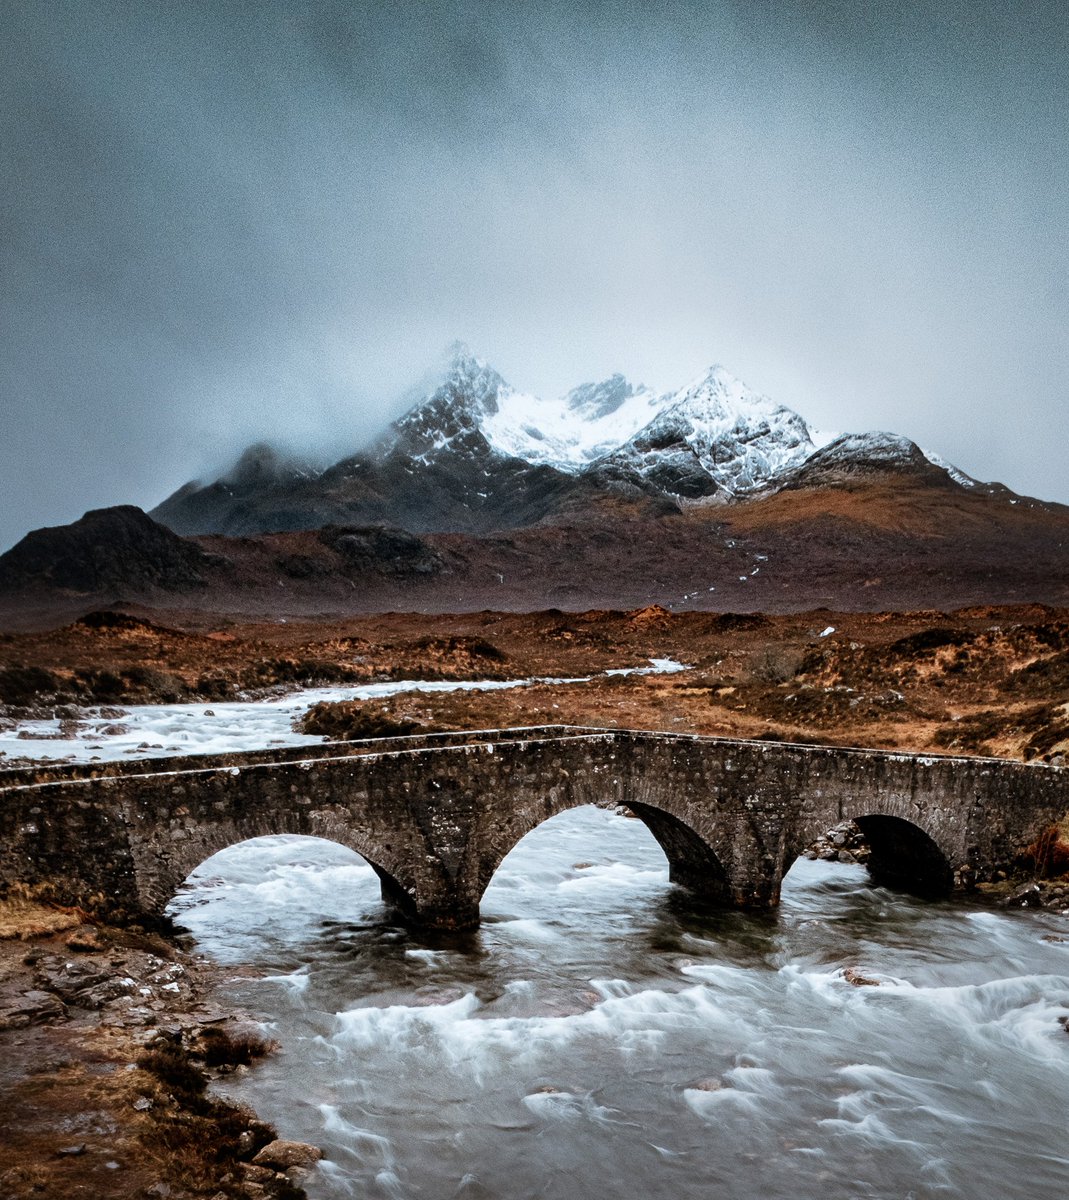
x: 108, y: 1049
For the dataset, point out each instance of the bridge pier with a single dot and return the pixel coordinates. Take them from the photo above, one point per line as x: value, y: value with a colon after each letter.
x: 446, y: 908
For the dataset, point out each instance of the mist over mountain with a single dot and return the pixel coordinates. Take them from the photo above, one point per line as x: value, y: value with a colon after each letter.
x: 709, y: 496
x: 473, y: 454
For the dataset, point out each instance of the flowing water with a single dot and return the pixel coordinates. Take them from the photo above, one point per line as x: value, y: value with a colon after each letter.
x: 160, y: 730
x: 599, y: 1037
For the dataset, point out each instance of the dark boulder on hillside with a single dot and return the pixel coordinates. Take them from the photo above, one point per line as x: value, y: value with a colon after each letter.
x: 109, y: 548
x: 382, y: 549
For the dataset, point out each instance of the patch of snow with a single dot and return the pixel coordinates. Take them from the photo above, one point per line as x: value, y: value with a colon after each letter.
x: 959, y: 477
x: 564, y: 434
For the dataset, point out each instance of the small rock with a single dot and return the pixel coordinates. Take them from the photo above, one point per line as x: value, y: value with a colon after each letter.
x: 282, y: 1154
x: 86, y: 940
x: 160, y: 1189
x: 1029, y: 895
x: 854, y: 976
x: 252, y: 1173
x: 707, y: 1085
x: 34, y: 1007
x: 72, y: 1151
x: 70, y: 978
x: 139, y: 1016
x: 98, y: 995
x: 143, y: 1104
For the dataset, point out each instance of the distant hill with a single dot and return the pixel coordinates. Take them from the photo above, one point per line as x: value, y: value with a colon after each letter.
x: 869, y: 541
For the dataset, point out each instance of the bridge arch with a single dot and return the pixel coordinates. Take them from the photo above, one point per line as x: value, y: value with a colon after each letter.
x: 160, y: 875
x: 905, y: 857
x: 693, y: 861
x: 904, y: 854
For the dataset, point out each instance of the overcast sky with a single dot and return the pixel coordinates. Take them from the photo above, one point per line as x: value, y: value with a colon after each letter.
x: 224, y: 222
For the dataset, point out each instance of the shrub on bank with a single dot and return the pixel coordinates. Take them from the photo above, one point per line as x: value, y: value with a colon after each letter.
x: 351, y: 721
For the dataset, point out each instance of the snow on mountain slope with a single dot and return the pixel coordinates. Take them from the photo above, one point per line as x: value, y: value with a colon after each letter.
x: 712, y: 437
x: 716, y: 436
x: 591, y: 421
x: 728, y: 434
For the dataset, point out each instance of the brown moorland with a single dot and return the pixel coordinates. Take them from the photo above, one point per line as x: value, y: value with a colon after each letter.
x: 985, y: 679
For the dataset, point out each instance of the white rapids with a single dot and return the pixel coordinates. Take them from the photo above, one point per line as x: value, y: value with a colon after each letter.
x: 601, y: 1037
x: 160, y: 730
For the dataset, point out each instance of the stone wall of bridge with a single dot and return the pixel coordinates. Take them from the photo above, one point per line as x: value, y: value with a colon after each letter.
x: 435, y: 816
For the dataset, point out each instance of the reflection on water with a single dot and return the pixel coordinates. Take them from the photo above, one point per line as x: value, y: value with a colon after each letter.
x: 601, y: 1036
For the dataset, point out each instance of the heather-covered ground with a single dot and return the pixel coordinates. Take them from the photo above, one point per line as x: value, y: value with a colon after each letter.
x: 985, y: 680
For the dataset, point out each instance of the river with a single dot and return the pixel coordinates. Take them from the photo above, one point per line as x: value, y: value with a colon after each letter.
x: 141, y: 731
x: 600, y: 1038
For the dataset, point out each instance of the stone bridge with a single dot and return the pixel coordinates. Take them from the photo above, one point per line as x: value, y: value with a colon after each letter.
x: 435, y: 815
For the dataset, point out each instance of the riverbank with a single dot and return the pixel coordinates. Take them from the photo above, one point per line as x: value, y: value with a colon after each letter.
x: 989, y: 681
x: 109, y: 1042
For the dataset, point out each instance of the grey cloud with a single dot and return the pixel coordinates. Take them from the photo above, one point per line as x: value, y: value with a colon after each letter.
x: 229, y: 221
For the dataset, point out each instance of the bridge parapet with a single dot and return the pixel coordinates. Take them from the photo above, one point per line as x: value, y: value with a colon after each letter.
x: 59, y: 771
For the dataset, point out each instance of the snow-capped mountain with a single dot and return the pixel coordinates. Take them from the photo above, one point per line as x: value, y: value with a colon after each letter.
x: 715, y: 429
x: 715, y: 436
x: 475, y: 454
x: 471, y: 399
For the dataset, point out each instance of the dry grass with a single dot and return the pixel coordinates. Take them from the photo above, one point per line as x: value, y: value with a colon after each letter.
x: 22, y: 917
x: 199, y: 1142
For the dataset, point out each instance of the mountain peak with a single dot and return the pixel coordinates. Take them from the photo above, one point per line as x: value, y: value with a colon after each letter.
x: 468, y: 381
x: 716, y: 437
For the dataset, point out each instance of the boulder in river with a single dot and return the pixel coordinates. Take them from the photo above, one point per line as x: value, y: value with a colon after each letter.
x: 281, y: 1155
